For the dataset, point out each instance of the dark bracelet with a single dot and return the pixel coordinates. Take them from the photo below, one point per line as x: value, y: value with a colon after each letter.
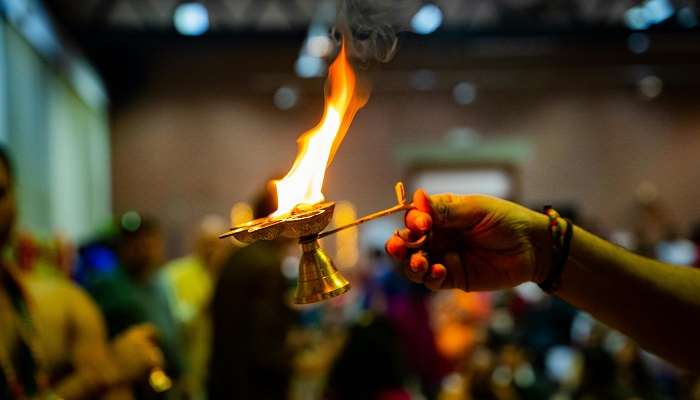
x: 560, y: 254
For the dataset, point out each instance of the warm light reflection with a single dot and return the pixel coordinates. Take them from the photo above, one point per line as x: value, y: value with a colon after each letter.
x: 303, y: 183
x: 346, y: 241
x: 241, y: 213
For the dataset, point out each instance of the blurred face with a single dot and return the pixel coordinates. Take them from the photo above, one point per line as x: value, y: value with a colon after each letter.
x: 143, y: 253
x: 213, y: 252
x: 7, y: 206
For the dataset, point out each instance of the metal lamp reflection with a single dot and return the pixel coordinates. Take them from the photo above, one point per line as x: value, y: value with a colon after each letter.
x: 318, y: 278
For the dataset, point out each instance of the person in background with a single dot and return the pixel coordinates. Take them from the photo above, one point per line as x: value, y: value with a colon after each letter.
x: 481, y: 243
x: 372, y: 364
x: 390, y: 350
x: 250, y: 355
x: 189, y: 282
x: 695, y: 238
x: 53, y: 258
x: 53, y: 342
x: 132, y: 295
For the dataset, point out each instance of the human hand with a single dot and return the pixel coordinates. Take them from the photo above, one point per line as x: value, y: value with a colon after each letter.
x: 476, y: 243
x: 136, y: 352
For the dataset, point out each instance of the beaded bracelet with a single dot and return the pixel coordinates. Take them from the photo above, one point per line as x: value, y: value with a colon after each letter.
x: 560, y: 249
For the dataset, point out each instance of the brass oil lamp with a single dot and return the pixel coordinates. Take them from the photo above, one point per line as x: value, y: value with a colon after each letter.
x: 318, y: 278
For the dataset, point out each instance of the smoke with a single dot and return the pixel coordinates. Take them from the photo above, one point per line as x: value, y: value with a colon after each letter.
x: 370, y: 27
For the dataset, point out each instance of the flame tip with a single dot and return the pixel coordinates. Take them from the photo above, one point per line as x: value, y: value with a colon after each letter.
x: 317, y: 146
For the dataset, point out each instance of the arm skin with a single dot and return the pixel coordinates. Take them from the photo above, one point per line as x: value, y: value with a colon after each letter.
x: 656, y: 304
x: 483, y: 243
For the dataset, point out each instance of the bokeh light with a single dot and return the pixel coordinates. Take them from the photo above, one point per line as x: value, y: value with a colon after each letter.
x: 308, y: 66
x: 290, y: 267
x: 638, y: 43
x: 319, y: 46
x: 427, y: 20
x: 649, y: 13
x: 286, y: 97
x: 650, y: 87
x: 346, y: 241
x: 241, y: 212
x: 464, y: 93
x: 191, y: 19
x: 687, y: 18
x: 131, y: 221
x: 423, y: 79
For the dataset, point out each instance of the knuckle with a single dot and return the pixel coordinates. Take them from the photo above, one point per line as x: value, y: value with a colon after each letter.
x: 442, y: 207
x: 413, y: 276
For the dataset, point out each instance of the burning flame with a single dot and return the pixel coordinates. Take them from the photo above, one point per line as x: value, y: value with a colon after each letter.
x: 303, y: 182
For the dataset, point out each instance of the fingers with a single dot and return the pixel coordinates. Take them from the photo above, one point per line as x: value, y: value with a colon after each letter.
x: 436, y: 278
x: 418, y: 221
x: 439, y: 225
x: 428, y: 212
x: 419, y: 270
x: 447, y: 274
x: 417, y: 266
x: 421, y: 201
x: 404, y: 240
x: 447, y: 210
x: 396, y: 247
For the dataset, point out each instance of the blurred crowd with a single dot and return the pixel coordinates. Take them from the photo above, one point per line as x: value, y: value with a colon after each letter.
x: 219, y: 323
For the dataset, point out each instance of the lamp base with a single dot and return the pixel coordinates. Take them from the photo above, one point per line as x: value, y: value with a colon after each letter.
x: 319, y: 279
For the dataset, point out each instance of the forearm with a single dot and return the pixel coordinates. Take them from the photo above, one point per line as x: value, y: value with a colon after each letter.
x: 656, y: 304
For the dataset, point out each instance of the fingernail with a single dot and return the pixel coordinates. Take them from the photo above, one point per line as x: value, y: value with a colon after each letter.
x: 394, y: 246
x: 404, y: 234
x: 418, y: 264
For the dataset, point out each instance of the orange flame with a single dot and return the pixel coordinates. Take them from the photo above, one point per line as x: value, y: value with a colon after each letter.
x: 304, y: 181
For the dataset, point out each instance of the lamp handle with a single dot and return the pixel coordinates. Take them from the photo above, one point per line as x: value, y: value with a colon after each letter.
x: 401, y: 205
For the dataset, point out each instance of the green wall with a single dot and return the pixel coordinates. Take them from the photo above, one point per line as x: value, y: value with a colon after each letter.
x: 58, y: 140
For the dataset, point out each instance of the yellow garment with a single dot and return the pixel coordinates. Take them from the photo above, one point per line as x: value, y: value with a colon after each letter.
x: 190, y: 286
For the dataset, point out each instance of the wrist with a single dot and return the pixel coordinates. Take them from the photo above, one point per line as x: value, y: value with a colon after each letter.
x: 541, y: 241
x: 561, y: 232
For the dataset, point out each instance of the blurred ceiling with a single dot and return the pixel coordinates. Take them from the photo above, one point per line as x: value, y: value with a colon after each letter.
x: 286, y: 15
x: 496, y: 42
